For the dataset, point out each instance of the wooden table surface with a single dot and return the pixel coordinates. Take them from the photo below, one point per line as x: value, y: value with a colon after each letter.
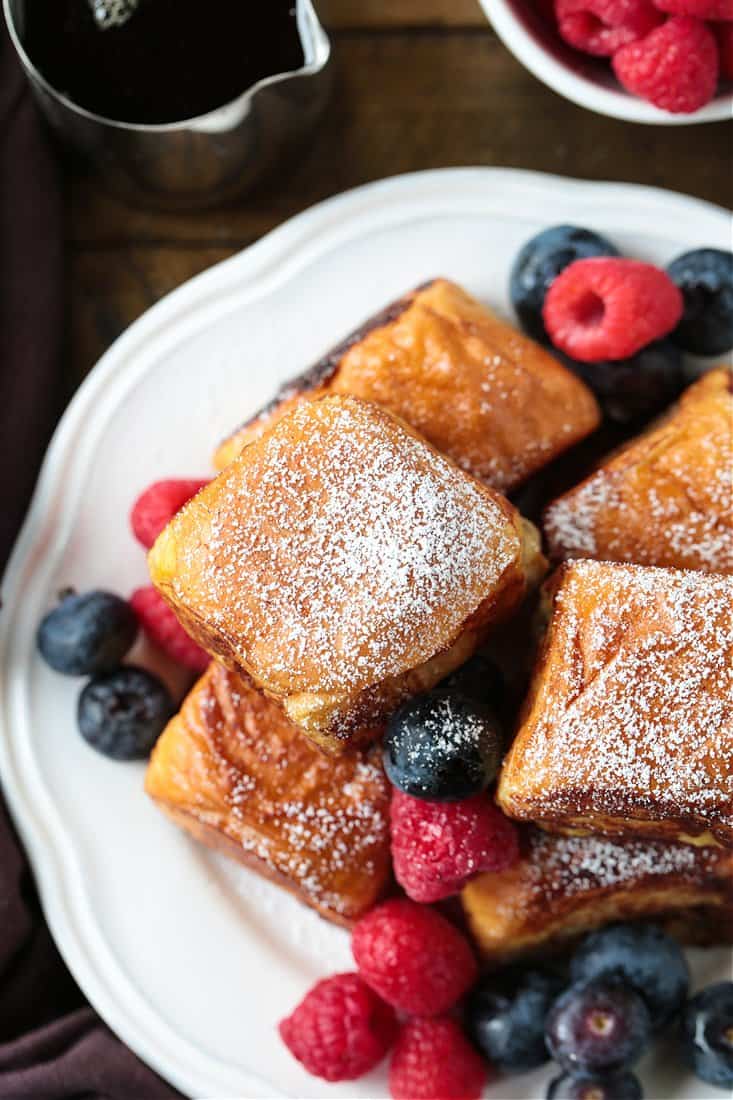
x: 419, y: 84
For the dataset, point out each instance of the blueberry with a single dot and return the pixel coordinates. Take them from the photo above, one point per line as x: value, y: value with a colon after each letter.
x: 635, y: 388
x: 644, y: 957
x: 540, y: 261
x: 598, y: 1027
x: 87, y: 634
x: 621, y: 1086
x: 478, y: 679
x: 707, y: 1034
x: 705, y: 277
x: 122, y: 713
x: 505, y: 1017
x: 442, y: 747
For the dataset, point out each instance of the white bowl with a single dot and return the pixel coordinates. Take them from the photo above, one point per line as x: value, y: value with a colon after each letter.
x: 585, y: 80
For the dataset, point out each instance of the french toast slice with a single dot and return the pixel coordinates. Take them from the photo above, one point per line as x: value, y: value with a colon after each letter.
x: 628, y: 725
x: 232, y: 770
x: 563, y: 886
x: 477, y: 389
x: 343, y: 564
x: 666, y: 497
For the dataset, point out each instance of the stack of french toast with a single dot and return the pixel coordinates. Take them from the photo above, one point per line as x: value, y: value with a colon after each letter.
x: 359, y: 545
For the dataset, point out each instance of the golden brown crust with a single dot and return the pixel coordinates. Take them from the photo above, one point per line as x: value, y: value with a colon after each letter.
x: 343, y: 564
x: 666, y: 498
x: 236, y: 774
x: 565, y: 886
x: 628, y: 724
x: 481, y: 392
x: 311, y: 383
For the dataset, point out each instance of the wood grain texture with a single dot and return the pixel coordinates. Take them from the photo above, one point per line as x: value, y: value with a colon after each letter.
x: 399, y: 13
x: 404, y: 101
x: 110, y: 287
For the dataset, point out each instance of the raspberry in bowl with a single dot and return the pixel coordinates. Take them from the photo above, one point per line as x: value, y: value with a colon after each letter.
x: 529, y: 29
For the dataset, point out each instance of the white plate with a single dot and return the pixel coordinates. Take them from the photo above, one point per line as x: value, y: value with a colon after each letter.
x: 189, y: 958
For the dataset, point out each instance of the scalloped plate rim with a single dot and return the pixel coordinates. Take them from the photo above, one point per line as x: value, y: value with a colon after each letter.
x: 318, y: 230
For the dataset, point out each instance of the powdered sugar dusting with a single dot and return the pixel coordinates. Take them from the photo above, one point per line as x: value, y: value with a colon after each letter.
x: 320, y: 822
x: 636, y: 719
x: 315, y: 844
x: 463, y: 400
x: 448, y: 729
x: 667, y: 499
x: 570, y: 866
x: 570, y: 522
x: 339, y: 550
x: 480, y: 391
x: 249, y: 774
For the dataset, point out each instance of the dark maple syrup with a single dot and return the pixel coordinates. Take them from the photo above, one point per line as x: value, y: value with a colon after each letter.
x: 170, y: 60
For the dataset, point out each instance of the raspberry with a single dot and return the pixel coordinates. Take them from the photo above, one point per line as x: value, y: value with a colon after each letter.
x: 724, y: 34
x: 155, y: 508
x: 163, y: 629
x: 602, y: 26
x: 340, y: 1030
x: 701, y: 9
x: 413, y: 957
x: 675, y: 67
x: 609, y: 308
x: 437, y: 846
x: 433, y: 1059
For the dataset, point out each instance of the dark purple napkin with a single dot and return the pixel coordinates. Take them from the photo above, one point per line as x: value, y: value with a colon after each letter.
x: 52, y: 1045
x: 31, y: 293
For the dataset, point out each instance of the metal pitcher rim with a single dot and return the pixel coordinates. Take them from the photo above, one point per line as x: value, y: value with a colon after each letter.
x: 313, y: 39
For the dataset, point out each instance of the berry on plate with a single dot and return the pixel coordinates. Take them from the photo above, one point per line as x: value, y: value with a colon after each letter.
x: 707, y: 1034
x: 157, y: 505
x: 340, y: 1030
x: 433, y: 1060
x: 438, y: 846
x: 621, y: 1086
x: 701, y: 9
x: 601, y: 27
x: 608, y: 308
x: 598, y: 1027
x: 87, y: 634
x: 540, y: 261
x: 413, y: 957
x: 675, y: 67
x: 442, y: 747
x: 638, y: 387
x: 506, y: 1015
x: 478, y: 679
x: 122, y: 713
x: 642, y: 956
x: 705, y: 277
x: 163, y: 629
